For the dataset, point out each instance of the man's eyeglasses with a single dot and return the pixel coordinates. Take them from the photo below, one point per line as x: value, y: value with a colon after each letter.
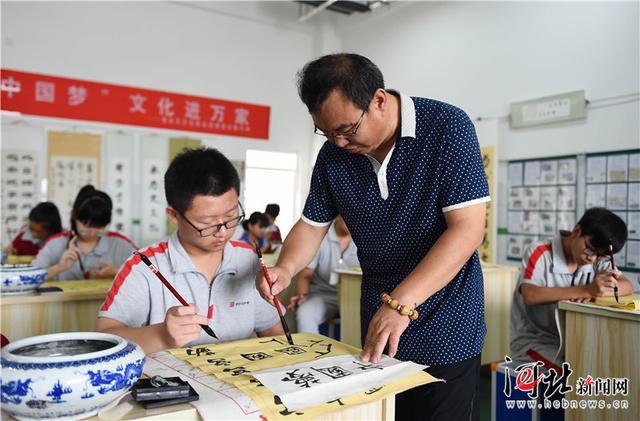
x: 214, y: 229
x: 346, y: 134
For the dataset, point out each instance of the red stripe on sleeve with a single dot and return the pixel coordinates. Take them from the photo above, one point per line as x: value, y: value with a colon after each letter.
x: 126, y: 270
x: 54, y: 236
x: 533, y: 260
x: 121, y: 236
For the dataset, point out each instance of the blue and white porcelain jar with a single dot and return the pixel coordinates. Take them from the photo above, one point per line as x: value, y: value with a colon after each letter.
x: 20, y: 279
x: 70, y: 375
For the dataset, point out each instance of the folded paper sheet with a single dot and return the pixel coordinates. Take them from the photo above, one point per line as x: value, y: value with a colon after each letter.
x: 232, y: 362
x: 327, y: 379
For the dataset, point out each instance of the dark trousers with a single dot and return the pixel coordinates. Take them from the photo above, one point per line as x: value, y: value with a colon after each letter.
x: 456, y: 400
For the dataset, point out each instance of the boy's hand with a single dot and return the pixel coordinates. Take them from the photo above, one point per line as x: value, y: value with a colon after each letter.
x: 296, y: 301
x: 603, y: 284
x: 182, y: 325
x: 103, y: 270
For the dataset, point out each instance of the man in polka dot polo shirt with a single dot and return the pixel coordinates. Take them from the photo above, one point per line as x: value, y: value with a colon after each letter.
x: 407, y: 177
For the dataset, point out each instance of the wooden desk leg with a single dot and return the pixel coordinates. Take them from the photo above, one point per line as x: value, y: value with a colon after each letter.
x: 349, y: 292
x: 389, y: 408
x: 498, y: 294
x: 603, y: 347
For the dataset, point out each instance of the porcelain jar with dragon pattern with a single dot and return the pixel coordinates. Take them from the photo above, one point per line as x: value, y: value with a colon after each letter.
x: 67, y: 375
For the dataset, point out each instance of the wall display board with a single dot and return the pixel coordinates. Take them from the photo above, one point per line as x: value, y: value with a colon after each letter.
x: 119, y: 180
x: 613, y: 181
x: 541, y: 201
x: 19, y: 188
x: 74, y: 161
x: 486, y: 248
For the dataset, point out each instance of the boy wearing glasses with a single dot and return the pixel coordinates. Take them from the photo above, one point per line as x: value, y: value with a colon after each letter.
x: 214, y: 274
x: 572, y: 266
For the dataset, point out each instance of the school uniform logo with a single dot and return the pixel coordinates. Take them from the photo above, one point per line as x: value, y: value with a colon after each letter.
x: 233, y: 304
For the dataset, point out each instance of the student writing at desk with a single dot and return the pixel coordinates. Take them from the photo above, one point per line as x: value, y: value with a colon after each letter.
x: 44, y: 221
x: 317, y: 298
x: 274, y: 237
x: 572, y: 266
x: 214, y: 274
x: 254, y: 231
x: 89, y: 250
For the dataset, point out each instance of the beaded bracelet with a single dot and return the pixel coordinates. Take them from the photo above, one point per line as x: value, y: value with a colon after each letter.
x: 412, y: 313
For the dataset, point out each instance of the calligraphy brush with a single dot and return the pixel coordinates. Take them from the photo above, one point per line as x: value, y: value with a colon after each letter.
x: 175, y: 293
x: 276, y: 301
x: 615, y: 288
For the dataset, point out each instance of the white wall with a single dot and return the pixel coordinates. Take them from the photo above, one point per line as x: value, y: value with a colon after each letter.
x: 483, y: 56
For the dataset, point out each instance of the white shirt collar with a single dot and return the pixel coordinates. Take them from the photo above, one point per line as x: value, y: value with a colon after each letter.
x: 407, y: 115
x: 407, y: 129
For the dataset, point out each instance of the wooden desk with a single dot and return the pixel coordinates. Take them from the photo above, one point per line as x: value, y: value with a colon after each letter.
x: 602, y: 343
x: 499, y: 283
x: 74, y: 310
x: 16, y: 260
x: 128, y: 409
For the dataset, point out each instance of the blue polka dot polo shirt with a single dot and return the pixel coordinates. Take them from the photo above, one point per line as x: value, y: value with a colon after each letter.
x: 395, y: 212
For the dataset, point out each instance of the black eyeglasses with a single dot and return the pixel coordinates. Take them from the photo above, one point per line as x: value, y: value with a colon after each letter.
x: 347, y: 134
x: 214, y: 229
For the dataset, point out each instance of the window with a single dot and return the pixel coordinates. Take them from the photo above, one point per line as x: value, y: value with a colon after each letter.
x: 271, y: 178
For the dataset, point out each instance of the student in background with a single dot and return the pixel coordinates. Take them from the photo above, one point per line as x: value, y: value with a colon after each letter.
x: 317, y: 299
x: 88, y: 251
x: 274, y: 238
x: 254, y: 231
x: 208, y: 270
x: 44, y: 221
x: 572, y: 266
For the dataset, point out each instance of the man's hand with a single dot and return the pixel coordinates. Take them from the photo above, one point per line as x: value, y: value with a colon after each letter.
x: 296, y: 301
x: 603, y: 284
x: 182, y: 325
x: 281, y: 279
x: 386, y: 327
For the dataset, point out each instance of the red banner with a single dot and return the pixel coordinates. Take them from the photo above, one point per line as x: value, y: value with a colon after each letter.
x: 51, y: 96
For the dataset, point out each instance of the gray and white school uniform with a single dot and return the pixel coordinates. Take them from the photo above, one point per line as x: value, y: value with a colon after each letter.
x: 537, y: 327
x: 322, y: 302
x: 138, y: 298
x: 112, y: 247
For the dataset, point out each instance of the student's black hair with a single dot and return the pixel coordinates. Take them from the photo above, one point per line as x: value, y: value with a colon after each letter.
x: 356, y: 76
x: 603, y: 225
x: 201, y: 171
x: 92, y: 207
x: 272, y: 209
x: 47, y: 215
x: 256, y: 218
